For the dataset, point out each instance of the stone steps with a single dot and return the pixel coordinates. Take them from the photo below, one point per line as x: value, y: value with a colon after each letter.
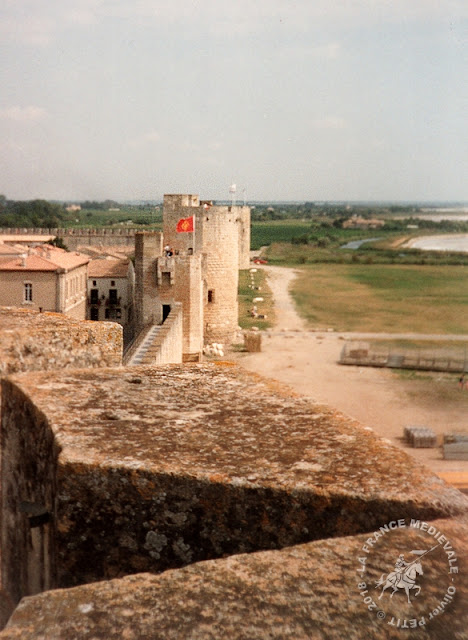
x: 143, y: 355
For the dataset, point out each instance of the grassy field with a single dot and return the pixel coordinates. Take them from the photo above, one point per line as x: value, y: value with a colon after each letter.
x: 264, y: 233
x: 246, y: 296
x: 384, y: 298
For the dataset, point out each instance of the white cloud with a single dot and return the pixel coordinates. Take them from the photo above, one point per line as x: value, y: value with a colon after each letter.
x: 23, y: 114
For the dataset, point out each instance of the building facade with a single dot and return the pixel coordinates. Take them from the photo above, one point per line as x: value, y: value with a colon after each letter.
x: 46, y: 278
x: 110, y: 290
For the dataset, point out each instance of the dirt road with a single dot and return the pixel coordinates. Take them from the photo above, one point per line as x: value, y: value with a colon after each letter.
x: 306, y: 360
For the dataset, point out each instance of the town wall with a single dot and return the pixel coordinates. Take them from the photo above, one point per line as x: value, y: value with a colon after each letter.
x: 166, y: 347
x: 127, y: 470
x: 33, y: 341
x: 147, y: 468
x: 311, y: 591
x: 74, y: 237
x: 29, y: 459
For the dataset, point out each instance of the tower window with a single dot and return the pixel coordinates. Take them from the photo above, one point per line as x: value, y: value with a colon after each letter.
x: 211, y: 295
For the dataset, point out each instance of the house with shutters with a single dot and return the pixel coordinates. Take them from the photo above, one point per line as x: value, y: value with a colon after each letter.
x: 111, y: 283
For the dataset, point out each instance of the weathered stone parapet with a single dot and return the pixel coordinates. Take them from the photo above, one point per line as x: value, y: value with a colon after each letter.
x: 28, y: 497
x: 160, y: 467
x: 32, y: 341
x: 305, y: 592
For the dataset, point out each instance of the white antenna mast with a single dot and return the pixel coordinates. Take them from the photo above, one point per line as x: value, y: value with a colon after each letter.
x: 232, y: 191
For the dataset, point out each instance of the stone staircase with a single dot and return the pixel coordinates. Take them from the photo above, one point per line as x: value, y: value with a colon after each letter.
x: 145, y: 352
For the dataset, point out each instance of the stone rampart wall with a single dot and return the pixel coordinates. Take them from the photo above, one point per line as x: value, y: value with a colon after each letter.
x: 304, y: 592
x: 160, y: 467
x: 169, y: 341
x: 33, y: 341
x: 73, y: 238
x: 118, y: 470
x: 28, y: 481
x: 166, y: 347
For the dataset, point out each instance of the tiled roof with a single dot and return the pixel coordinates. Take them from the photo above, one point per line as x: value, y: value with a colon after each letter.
x: 119, y: 251
x: 108, y: 268
x: 45, y: 259
x: 10, y: 249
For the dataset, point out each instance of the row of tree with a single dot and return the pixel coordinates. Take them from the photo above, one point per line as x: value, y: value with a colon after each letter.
x: 31, y: 213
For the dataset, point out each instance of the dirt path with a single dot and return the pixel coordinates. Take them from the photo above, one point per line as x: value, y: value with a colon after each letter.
x: 307, y: 361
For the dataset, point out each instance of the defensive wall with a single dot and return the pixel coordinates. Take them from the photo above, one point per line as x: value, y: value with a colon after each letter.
x: 33, y: 341
x: 73, y: 237
x: 166, y: 345
x: 201, y: 501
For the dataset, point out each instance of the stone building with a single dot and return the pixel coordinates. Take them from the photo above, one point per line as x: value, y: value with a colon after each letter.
x: 195, y: 262
x: 46, y: 278
x: 111, y: 285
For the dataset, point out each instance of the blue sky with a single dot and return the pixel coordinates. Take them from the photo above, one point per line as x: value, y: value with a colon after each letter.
x: 323, y: 100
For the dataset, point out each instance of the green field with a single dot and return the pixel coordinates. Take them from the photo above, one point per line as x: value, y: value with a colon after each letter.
x: 384, y: 298
x: 264, y: 233
x: 246, y: 296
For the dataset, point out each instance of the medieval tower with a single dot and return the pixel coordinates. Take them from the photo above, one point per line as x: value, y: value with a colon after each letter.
x: 195, y: 262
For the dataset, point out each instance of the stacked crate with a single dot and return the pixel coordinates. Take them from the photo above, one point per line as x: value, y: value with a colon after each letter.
x: 420, y: 437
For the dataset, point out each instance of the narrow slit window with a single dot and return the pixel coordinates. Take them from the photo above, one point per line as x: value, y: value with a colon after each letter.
x: 211, y: 295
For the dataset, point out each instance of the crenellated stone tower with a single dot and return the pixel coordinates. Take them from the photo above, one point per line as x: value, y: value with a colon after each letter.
x: 202, y: 271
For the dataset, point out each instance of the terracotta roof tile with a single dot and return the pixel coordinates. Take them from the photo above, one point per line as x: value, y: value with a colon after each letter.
x: 30, y: 263
x: 45, y: 259
x: 108, y: 268
x: 10, y: 249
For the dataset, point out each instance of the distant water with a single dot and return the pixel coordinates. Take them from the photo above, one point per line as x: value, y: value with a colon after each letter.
x: 355, y: 244
x: 442, y: 243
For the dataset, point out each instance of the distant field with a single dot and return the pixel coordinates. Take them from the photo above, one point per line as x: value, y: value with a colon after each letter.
x: 264, y: 233
x: 384, y: 298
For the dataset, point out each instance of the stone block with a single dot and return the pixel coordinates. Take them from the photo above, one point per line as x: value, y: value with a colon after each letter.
x: 252, y: 341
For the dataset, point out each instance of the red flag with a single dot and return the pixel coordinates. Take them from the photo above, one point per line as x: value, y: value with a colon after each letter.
x: 185, y: 224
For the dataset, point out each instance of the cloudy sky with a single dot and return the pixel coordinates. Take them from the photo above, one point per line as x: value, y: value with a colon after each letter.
x: 291, y: 100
